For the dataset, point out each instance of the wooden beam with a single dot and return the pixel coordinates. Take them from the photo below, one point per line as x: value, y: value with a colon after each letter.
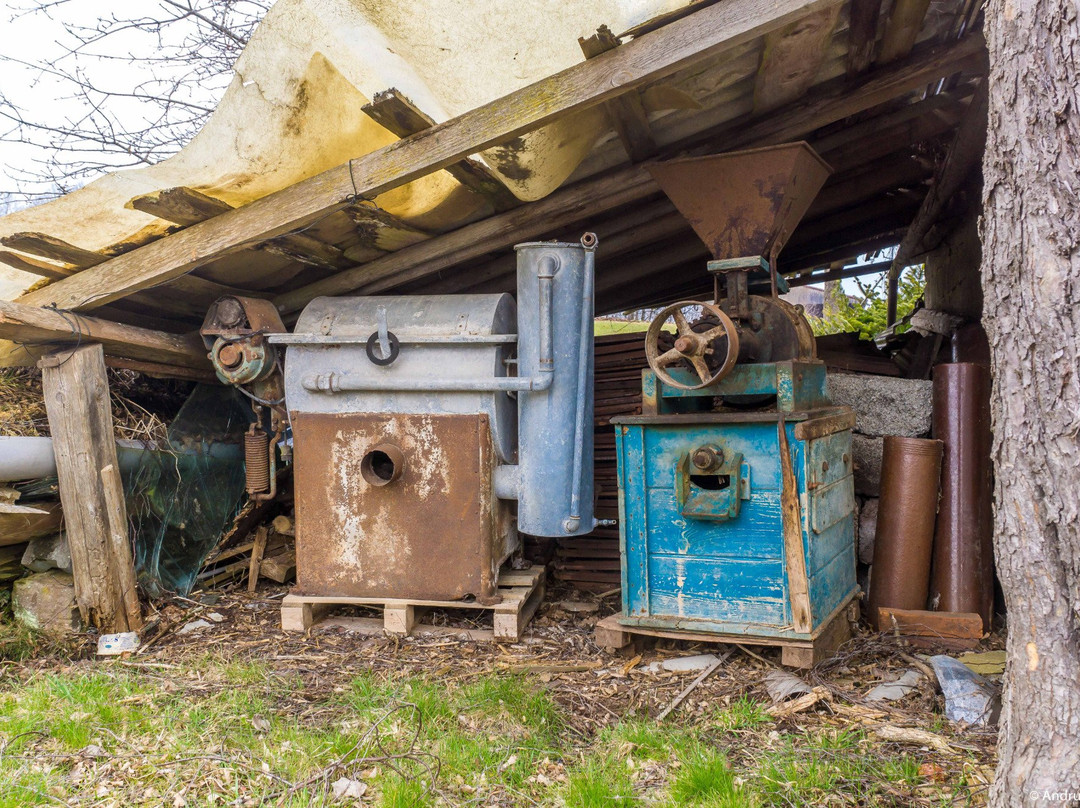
x: 193, y: 295
x: 648, y: 58
x: 42, y: 327
x: 964, y: 155
x: 594, y: 197
x: 532, y: 220
x: 186, y: 206
x: 396, y: 113
x: 905, y: 22
x: 76, y: 394
x: 625, y: 112
x: 32, y: 266
x: 862, y: 35
x: 791, y: 59
x: 807, y: 278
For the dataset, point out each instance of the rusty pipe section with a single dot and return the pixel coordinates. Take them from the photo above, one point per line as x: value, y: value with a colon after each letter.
x: 907, y: 510
x: 963, y: 568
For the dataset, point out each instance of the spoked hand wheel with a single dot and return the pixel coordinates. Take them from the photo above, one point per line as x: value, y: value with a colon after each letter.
x: 690, y: 346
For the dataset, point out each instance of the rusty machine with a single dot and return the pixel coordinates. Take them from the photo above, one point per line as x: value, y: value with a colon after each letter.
x: 426, y: 431
x: 736, y: 490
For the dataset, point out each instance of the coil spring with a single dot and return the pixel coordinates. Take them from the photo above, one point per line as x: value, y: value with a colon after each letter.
x: 257, y: 461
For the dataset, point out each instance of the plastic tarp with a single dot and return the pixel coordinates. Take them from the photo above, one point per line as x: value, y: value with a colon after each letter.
x: 293, y: 109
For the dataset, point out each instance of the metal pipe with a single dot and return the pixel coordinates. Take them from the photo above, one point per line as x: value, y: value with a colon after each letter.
x: 589, y: 242
x: 910, y: 476
x: 963, y: 571
x: 456, y: 339
x: 548, y: 268
x: 344, y: 382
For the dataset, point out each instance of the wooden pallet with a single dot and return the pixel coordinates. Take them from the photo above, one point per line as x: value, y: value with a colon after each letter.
x: 521, y: 592
x: 612, y: 635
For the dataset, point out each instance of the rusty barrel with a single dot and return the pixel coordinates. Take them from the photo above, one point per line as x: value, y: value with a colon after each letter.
x: 963, y: 569
x: 910, y: 476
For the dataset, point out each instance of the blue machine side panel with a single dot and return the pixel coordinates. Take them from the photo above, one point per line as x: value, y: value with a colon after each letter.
x: 720, y: 590
x: 671, y: 533
x: 633, y: 540
x: 665, y: 445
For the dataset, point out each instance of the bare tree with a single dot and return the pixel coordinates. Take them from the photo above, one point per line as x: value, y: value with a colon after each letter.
x: 1031, y: 284
x: 135, y: 86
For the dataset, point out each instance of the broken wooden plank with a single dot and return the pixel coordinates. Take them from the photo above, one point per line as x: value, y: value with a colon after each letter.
x: 76, y: 393
x: 626, y: 112
x: 862, y: 35
x: 43, y: 327
x: 181, y: 205
x: 258, y: 547
x: 791, y: 59
x: 280, y: 568
x: 44, y: 269
x: 651, y: 57
x: 902, y: 30
x: 396, y: 113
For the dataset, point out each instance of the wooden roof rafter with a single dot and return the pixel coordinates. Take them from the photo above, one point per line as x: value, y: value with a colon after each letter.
x: 592, y: 82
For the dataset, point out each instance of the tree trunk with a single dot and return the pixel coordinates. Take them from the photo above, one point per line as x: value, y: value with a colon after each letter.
x: 1031, y: 285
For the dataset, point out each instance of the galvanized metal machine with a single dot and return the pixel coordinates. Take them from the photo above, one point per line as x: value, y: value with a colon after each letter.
x: 427, y: 431
x: 736, y: 491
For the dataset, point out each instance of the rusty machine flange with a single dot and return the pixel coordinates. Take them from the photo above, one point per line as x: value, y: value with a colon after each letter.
x: 234, y: 333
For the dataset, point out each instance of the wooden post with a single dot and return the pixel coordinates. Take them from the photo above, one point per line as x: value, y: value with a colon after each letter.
x: 120, y: 545
x: 77, y: 402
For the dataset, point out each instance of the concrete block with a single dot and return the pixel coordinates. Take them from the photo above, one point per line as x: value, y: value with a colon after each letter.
x: 48, y: 553
x: 46, y: 602
x: 866, y: 453
x: 867, y: 529
x: 884, y: 405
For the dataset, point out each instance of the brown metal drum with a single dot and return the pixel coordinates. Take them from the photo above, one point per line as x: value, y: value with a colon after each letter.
x: 398, y: 506
x: 910, y: 475
x: 963, y: 572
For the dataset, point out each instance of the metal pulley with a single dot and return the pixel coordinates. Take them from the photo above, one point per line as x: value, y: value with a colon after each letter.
x: 693, y: 346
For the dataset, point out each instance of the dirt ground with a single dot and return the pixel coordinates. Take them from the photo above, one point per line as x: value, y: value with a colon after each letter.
x: 594, y: 690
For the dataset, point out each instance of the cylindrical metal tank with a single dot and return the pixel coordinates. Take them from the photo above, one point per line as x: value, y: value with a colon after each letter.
x: 448, y: 343
x: 963, y: 572
x: 555, y: 470
x: 910, y: 477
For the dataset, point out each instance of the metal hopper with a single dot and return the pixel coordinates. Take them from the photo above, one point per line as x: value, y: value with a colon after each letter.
x: 744, y: 203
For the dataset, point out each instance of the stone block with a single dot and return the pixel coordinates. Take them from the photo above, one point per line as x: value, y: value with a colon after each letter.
x: 867, y: 529
x: 48, y: 553
x: 884, y: 405
x: 867, y: 452
x: 46, y: 602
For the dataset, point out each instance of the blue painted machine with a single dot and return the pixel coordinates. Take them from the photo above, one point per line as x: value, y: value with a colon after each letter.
x: 735, y: 484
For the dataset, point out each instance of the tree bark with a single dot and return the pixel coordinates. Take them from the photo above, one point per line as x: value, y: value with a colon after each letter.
x: 1031, y: 285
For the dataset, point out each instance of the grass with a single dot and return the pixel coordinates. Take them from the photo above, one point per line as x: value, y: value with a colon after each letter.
x: 216, y: 731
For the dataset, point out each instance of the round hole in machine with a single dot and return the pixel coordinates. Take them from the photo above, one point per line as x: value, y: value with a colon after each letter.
x: 382, y: 464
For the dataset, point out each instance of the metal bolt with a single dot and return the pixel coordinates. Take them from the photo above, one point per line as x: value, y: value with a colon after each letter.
x: 230, y: 355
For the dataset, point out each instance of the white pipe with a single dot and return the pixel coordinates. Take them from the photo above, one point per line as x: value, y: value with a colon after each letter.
x: 26, y: 458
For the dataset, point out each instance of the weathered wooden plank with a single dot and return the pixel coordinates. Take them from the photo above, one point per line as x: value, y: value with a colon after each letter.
x: 77, y: 401
x: 565, y: 207
x: 186, y: 206
x: 794, y: 554
x: 905, y: 22
x: 194, y: 294
x: 33, y: 325
x: 862, y: 34
x: 44, y: 269
x: 123, y: 567
x: 180, y: 205
x: 919, y: 623
x: 791, y: 59
x: 396, y: 113
x: 648, y: 58
x: 626, y: 112
x: 965, y: 153
x: 531, y: 220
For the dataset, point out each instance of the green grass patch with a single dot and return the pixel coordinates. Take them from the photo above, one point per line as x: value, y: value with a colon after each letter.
x: 247, y: 733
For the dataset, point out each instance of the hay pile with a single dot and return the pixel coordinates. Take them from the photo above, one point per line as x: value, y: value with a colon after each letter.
x: 142, y: 407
